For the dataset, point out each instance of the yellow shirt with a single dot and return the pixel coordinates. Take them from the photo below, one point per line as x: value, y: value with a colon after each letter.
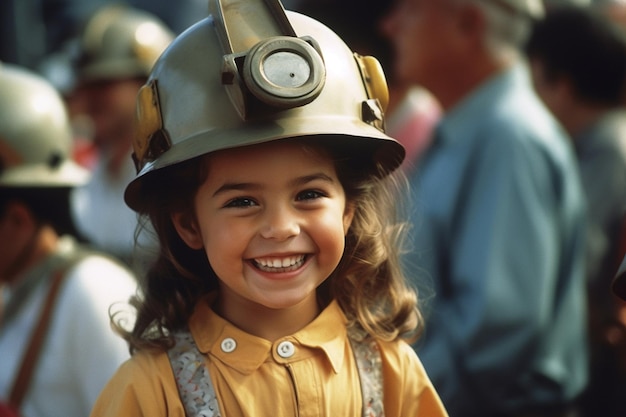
x: 319, y: 378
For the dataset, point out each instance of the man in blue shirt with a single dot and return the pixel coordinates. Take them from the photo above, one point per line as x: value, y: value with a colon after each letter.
x: 499, y: 216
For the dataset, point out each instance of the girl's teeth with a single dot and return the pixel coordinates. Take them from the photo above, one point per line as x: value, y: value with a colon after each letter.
x: 291, y: 262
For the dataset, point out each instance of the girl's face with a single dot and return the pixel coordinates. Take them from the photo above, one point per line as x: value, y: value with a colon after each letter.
x: 272, y: 219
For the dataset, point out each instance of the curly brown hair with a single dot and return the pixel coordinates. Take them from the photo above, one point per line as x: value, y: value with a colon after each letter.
x: 368, y: 283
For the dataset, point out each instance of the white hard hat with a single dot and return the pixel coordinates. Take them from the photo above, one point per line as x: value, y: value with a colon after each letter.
x: 531, y: 8
x: 121, y: 42
x: 253, y: 73
x: 35, y: 134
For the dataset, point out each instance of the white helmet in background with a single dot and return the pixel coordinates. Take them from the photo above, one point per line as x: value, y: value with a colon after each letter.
x: 253, y: 73
x: 531, y: 8
x: 121, y: 42
x: 35, y: 134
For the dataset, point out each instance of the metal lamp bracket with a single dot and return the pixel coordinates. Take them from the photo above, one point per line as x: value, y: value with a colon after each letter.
x: 265, y: 63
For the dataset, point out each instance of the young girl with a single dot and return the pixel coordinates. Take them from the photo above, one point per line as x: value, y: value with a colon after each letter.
x: 278, y: 290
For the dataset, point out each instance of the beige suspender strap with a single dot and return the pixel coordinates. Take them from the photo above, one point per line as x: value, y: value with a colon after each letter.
x: 369, y: 364
x: 192, y: 377
x: 29, y: 361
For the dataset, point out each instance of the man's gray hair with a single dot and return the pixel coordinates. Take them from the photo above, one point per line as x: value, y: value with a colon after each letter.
x: 508, y: 27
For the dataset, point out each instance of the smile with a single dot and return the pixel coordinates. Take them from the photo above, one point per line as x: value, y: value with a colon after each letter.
x: 286, y: 264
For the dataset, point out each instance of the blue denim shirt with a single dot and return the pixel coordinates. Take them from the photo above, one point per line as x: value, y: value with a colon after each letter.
x: 499, y: 226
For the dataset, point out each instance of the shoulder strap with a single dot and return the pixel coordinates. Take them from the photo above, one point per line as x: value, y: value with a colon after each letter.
x: 192, y: 377
x: 31, y: 357
x: 198, y: 394
x: 369, y: 364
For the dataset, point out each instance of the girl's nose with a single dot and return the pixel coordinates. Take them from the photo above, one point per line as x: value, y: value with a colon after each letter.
x: 279, y: 223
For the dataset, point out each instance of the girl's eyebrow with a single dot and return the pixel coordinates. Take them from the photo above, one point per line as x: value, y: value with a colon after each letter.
x: 309, y: 178
x: 236, y: 186
x: 247, y: 186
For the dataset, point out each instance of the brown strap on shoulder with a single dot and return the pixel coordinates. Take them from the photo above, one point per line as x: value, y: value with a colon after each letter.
x: 29, y: 361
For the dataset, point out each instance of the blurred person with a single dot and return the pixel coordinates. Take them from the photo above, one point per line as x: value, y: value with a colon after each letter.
x: 578, y: 59
x: 499, y: 216
x: 57, y: 348
x: 412, y: 111
x: 118, y: 47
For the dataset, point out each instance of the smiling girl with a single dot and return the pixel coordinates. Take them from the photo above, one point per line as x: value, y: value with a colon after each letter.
x: 278, y: 290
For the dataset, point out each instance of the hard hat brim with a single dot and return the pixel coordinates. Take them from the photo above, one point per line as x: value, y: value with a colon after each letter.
x: 377, y: 152
x: 192, y: 107
x: 67, y: 174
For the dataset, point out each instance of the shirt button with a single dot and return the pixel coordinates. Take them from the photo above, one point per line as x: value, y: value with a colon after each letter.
x: 286, y: 349
x: 229, y: 345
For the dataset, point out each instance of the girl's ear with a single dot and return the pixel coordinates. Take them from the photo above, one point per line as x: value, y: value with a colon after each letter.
x: 348, y: 215
x: 188, y: 229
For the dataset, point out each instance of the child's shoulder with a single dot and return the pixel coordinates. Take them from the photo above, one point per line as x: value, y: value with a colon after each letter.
x: 398, y: 355
x: 145, y: 372
x: 143, y: 385
x: 144, y: 366
x: 408, y: 389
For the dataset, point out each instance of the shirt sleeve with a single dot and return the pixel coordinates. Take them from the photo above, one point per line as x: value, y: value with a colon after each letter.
x: 408, y: 390
x: 144, y: 386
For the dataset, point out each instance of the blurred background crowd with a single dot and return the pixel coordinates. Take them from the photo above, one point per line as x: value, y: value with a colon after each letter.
x: 516, y: 155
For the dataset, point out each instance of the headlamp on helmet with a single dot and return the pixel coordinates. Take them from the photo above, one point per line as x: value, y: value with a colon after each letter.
x: 253, y: 73
x: 265, y: 65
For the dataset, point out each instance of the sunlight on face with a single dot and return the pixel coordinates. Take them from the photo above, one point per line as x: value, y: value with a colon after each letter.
x: 272, y: 220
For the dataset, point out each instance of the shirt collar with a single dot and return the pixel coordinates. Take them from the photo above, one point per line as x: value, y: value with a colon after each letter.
x: 327, y: 333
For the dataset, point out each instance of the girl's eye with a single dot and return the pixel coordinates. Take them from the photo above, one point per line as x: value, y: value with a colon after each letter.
x: 241, y: 202
x: 309, y: 195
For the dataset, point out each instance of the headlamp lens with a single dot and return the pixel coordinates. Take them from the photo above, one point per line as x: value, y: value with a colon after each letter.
x: 286, y: 69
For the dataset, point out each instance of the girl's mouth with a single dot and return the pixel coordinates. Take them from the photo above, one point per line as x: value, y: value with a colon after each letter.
x: 284, y: 264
